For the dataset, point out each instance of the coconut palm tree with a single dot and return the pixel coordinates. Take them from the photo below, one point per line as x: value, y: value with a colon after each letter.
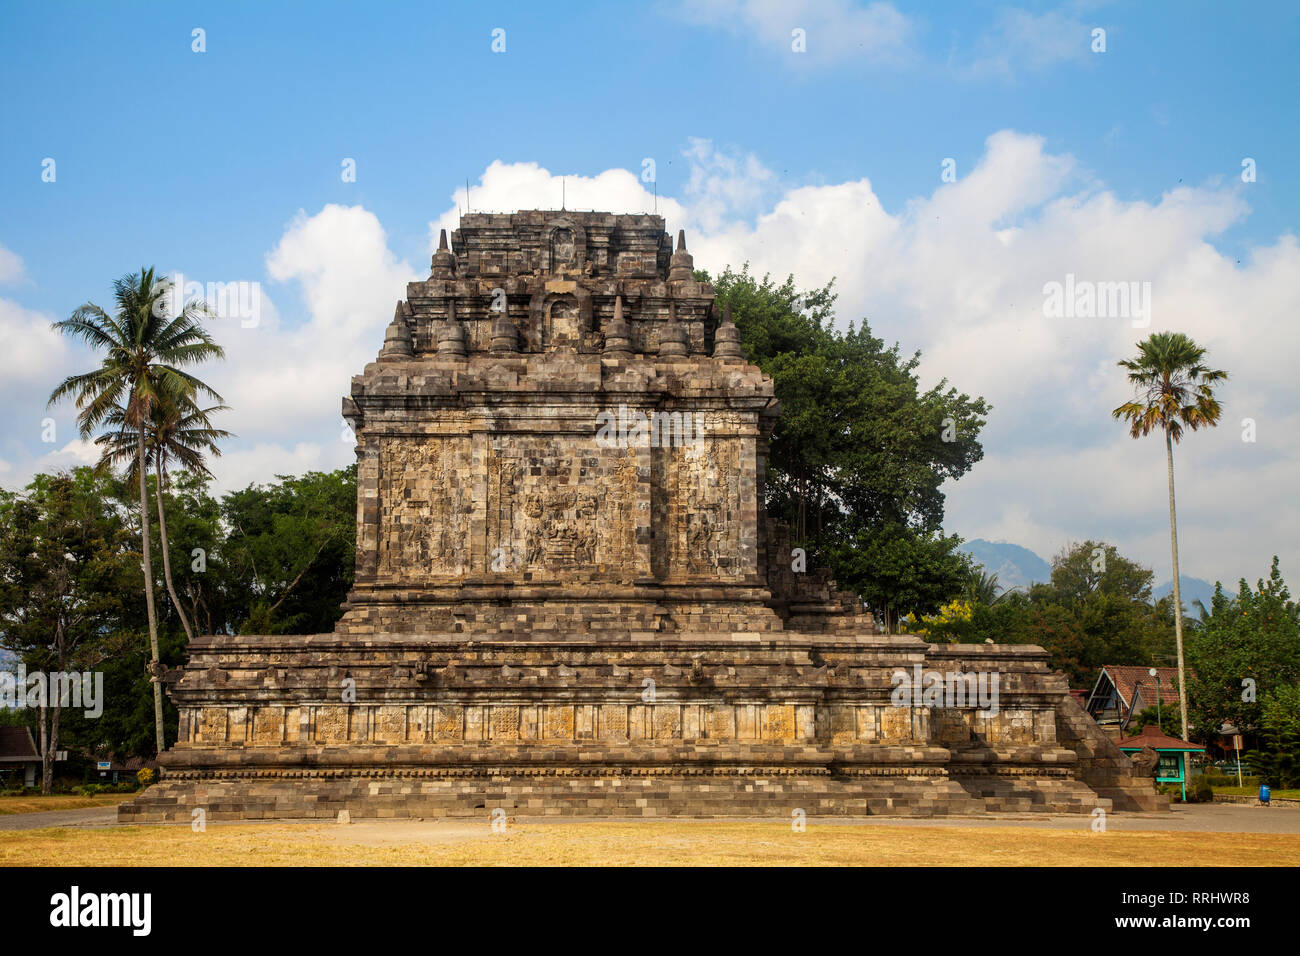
x: 982, y: 588
x: 1173, y: 390
x: 144, y: 356
x: 178, y: 431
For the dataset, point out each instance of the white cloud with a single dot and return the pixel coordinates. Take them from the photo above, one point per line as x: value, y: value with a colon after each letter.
x: 11, y: 266
x: 958, y: 273
x: 242, y: 466
x: 834, y: 30
x: 285, y: 381
x: 73, y: 454
x: 1021, y: 39
x: 509, y: 187
x: 34, y: 355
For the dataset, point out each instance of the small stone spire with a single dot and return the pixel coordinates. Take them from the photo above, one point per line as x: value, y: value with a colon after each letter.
x: 726, y: 340
x: 618, y: 334
x: 672, y: 339
x: 444, y: 263
x: 451, y: 337
x: 397, y: 340
x: 681, y: 266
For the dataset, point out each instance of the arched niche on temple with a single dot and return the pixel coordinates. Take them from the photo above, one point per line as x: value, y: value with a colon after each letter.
x: 559, y: 319
x: 566, y: 246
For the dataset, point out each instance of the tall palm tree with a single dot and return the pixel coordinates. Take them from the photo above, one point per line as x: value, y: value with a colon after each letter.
x: 144, y: 356
x: 1173, y: 390
x: 178, y: 431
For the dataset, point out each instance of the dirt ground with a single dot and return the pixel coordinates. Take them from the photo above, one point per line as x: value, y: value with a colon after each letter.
x: 1211, y: 835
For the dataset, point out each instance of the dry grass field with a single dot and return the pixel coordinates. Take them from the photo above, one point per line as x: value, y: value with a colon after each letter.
x: 650, y: 843
x: 37, y: 803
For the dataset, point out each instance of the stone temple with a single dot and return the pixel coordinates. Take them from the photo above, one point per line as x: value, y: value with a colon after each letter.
x: 569, y: 599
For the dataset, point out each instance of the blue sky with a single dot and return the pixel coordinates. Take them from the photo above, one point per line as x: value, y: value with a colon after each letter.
x: 226, y: 165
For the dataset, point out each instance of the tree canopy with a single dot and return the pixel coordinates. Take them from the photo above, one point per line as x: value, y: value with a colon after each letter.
x: 861, y: 450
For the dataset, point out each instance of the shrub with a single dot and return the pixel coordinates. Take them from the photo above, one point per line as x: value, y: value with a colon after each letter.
x: 146, y: 776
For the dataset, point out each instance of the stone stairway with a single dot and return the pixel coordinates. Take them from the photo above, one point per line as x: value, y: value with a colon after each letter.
x: 1102, y: 765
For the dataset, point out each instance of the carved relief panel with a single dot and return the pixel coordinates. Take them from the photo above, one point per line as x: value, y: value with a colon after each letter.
x: 698, y: 524
x: 557, y: 510
x: 425, y: 507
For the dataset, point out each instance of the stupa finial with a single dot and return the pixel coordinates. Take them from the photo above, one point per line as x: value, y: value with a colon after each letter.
x: 681, y: 267
x: 397, y: 339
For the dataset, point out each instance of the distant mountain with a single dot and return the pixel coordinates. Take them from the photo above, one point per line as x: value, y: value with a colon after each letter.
x: 1015, y: 566
x: 1019, y: 567
x: 1190, y: 590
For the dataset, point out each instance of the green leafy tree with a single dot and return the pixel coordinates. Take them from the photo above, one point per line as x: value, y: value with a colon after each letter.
x: 145, y: 355
x: 1175, y: 391
x: 198, y: 536
x: 64, y: 566
x: 291, y: 548
x: 1165, y: 718
x: 899, y: 570
x: 1006, y: 621
x: 1096, y: 609
x: 861, y: 451
x: 1247, y: 647
x: 1106, y: 598
x: 1276, y: 758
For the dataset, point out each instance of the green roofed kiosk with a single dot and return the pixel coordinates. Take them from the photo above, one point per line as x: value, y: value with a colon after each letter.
x: 1172, y: 751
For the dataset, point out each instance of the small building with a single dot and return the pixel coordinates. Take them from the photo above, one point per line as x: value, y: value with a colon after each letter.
x: 113, y: 769
x: 1172, y: 766
x: 19, y: 756
x: 1123, y: 691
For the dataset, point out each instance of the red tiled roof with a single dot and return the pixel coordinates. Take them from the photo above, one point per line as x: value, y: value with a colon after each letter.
x: 1151, y: 736
x: 1126, y: 678
x: 16, y: 744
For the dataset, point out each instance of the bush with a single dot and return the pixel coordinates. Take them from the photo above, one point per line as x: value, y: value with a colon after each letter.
x: 146, y: 776
x: 1198, y: 791
x: 1215, y: 779
x: 94, y: 789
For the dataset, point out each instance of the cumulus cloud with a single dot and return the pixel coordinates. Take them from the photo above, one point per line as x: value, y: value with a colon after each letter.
x: 722, y: 186
x: 285, y: 380
x: 34, y: 354
x: 959, y: 273
x: 508, y: 187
